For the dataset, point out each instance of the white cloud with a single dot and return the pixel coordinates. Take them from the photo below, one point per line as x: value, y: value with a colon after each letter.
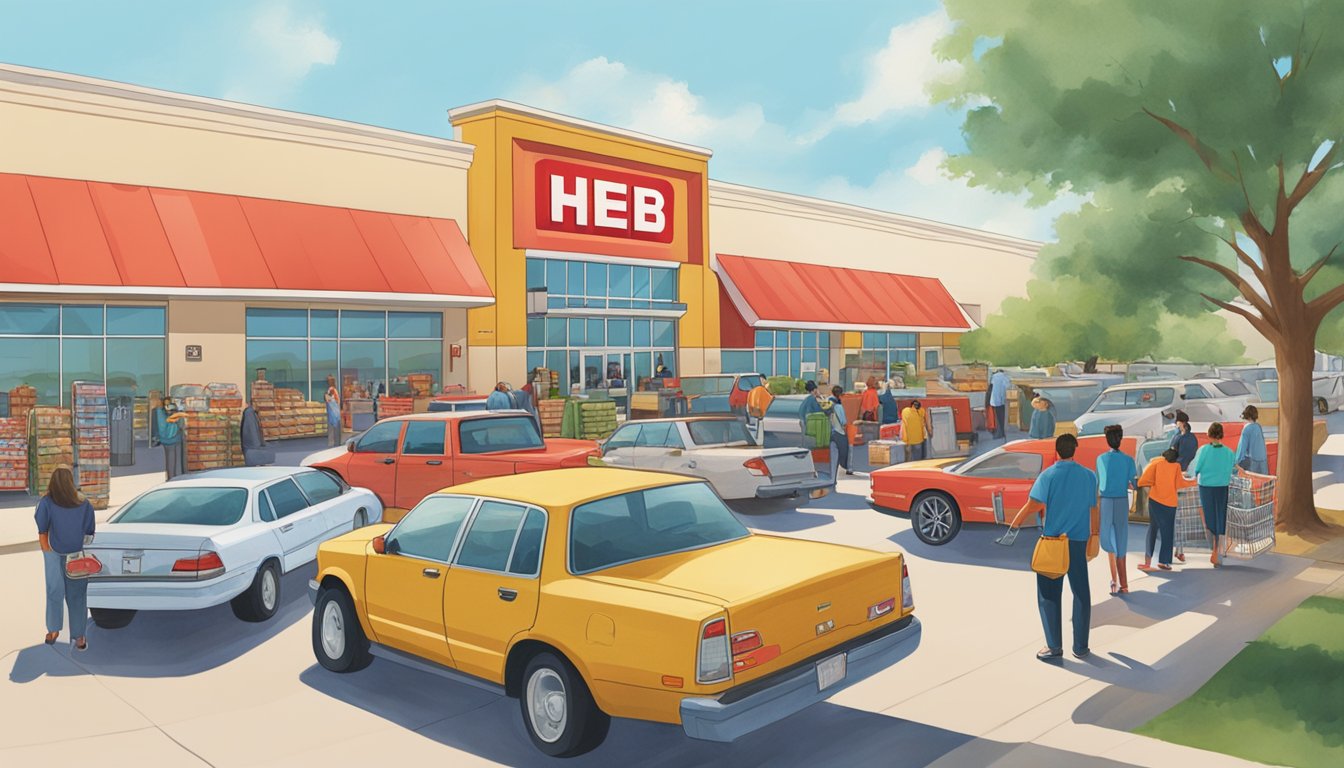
x: 279, y: 50
x: 897, y: 77
x: 926, y: 190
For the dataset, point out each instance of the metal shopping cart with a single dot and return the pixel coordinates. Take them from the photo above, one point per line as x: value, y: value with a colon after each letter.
x: 1250, y: 518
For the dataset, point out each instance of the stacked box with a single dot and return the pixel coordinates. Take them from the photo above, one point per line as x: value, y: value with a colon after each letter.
x: 394, y: 406
x: 884, y: 452
x: 208, y: 444
x: 21, y: 400
x: 14, y: 454
x: 48, y: 445
x: 140, y: 418
x: 284, y: 414
x: 422, y: 384
x: 89, y: 437
x: 545, y: 381
x: 226, y: 400
x: 552, y: 412
x: 598, y: 419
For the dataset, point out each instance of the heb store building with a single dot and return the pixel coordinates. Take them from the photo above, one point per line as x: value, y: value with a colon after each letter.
x: 150, y: 238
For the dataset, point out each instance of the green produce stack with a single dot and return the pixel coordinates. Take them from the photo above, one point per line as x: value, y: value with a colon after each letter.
x: 589, y: 419
x: 818, y: 427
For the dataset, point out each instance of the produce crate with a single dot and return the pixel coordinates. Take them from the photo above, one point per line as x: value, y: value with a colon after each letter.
x: 422, y: 384
x: 14, y: 454
x: 285, y: 415
x: 552, y: 413
x: 394, y: 406
x: 89, y: 437
x: 589, y: 419
x: 22, y: 399
x: 884, y: 452
x: 49, y: 445
x: 208, y: 443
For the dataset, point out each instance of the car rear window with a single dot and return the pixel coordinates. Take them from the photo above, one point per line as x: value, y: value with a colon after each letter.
x: 643, y: 524
x: 511, y: 433
x: 186, y: 506
x: 725, y: 432
x: 1233, y: 388
x: 707, y: 385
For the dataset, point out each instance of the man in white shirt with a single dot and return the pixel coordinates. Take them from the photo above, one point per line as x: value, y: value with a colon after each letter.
x: 999, y: 385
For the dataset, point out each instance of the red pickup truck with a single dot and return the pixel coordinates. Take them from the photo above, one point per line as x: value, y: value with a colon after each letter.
x: 405, y: 458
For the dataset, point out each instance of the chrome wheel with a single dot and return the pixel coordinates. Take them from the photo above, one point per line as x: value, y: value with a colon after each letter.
x: 936, y: 519
x: 333, y: 630
x: 268, y: 589
x: 547, y: 704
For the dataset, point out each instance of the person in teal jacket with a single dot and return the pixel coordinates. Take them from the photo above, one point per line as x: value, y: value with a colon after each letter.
x: 1251, y: 453
x: 1042, y: 419
x: 169, y: 425
x: 1213, y: 467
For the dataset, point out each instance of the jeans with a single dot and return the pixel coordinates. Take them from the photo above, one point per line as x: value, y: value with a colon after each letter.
x: 917, y: 452
x: 1049, y: 598
x: 840, y: 444
x: 1161, y: 522
x: 333, y: 434
x: 63, y: 589
x: 1000, y: 420
x: 174, y: 458
x: 1213, y: 499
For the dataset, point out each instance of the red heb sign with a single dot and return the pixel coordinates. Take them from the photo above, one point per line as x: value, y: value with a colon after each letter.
x: 600, y: 201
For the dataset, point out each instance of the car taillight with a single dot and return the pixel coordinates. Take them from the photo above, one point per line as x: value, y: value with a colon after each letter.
x: 712, y: 661
x: 746, y: 641
x: 881, y: 609
x: 205, y: 566
x: 907, y: 597
x: 757, y: 467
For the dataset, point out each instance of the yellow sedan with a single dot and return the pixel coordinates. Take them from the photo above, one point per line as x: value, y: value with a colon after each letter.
x: 589, y: 593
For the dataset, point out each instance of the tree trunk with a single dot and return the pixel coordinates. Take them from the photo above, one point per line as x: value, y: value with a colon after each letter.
x: 1296, y: 507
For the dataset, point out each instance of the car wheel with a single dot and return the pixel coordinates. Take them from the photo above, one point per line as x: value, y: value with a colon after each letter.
x: 111, y: 618
x: 261, y: 599
x: 935, y: 518
x: 339, y: 642
x: 361, y: 519
x: 1322, y: 406
x: 558, y: 709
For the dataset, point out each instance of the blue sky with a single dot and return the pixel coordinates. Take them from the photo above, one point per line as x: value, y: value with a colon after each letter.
x: 815, y: 98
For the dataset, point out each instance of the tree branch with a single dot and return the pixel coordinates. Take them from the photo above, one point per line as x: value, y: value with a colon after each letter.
x: 1245, y: 288
x: 1311, y: 178
x: 1206, y: 153
x: 1320, y: 306
x: 1244, y: 257
x: 1249, y: 218
x: 1305, y: 277
x: 1257, y: 322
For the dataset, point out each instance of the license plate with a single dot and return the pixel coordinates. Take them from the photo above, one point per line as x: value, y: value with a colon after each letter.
x: 830, y: 671
x: 130, y: 565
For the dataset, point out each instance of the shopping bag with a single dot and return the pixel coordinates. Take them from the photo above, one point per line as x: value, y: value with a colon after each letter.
x: 1051, y: 558
x: 81, y: 565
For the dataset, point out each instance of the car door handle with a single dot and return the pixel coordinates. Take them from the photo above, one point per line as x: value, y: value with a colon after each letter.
x: 430, y: 573
x: 286, y: 527
x: 434, y: 462
x: 389, y: 460
x: 690, y: 464
x: 508, y: 595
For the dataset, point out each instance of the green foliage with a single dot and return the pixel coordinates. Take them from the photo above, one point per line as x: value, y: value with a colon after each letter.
x: 780, y: 385
x: 1278, y: 700
x: 1082, y: 96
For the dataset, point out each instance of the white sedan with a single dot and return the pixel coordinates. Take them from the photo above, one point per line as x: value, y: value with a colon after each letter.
x: 220, y: 536
x: 717, y: 449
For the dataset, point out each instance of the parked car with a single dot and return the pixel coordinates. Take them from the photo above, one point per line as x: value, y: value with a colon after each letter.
x: 1328, y: 389
x: 597, y: 593
x: 455, y: 403
x: 719, y: 392
x: 1151, y: 449
x: 217, y: 537
x: 405, y: 458
x: 720, y: 450
x: 1144, y: 408
x: 942, y: 494
x: 783, y: 421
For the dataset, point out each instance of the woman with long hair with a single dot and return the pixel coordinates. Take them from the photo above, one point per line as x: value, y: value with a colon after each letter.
x: 1251, y: 453
x: 1212, y: 468
x: 1116, y: 475
x: 64, y: 517
x: 1164, y: 480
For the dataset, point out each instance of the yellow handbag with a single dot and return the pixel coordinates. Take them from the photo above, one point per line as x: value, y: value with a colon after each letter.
x: 1051, y: 558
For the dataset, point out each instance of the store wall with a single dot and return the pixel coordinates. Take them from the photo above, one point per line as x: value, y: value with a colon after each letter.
x: 73, y: 127
x: 219, y: 328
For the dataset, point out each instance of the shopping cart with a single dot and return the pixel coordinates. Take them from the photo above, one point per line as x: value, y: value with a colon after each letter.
x: 1250, y: 518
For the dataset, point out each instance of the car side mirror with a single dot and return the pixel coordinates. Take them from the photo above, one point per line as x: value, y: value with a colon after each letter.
x: 350, y: 445
x: 380, y: 545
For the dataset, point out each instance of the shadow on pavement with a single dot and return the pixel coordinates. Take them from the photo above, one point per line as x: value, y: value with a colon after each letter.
x: 175, y: 643
x: 973, y: 546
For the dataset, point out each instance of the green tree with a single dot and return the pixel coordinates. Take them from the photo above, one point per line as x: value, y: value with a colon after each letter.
x: 1204, y: 133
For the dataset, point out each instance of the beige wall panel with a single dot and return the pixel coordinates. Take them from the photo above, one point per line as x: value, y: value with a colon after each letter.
x: 219, y: 327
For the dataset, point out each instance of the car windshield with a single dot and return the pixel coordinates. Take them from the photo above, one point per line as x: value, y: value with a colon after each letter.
x: 648, y: 523
x: 722, y: 432
x: 186, y: 506
x: 1134, y: 399
x: 1268, y: 389
x: 443, y: 406
x: 785, y: 406
x: 707, y: 385
x: 508, y: 433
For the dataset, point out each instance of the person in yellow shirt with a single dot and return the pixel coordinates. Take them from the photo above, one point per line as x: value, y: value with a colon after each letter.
x: 1164, y: 480
x: 915, y: 430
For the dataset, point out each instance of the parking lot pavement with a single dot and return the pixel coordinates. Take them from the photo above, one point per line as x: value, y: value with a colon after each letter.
x: 205, y: 688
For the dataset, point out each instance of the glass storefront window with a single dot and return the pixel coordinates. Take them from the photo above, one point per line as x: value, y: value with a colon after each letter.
x: 596, y: 334
x: 135, y: 321
x: 35, y: 361
x: 536, y: 274
x: 366, y: 361
x: 618, y: 332
x: 620, y: 281
x: 281, y: 323
x: 81, y: 360
x: 324, y: 323
x: 781, y: 353
x: 407, y: 357
x: 664, y: 285
x: 664, y: 333
x: 82, y: 321
x: 30, y: 319
x: 359, y: 324
x: 134, y: 366
x: 285, y: 361
x: 415, y: 325
x: 322, y: 362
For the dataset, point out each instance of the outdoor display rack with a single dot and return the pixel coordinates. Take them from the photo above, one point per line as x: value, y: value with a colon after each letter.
x: 90, y: 441
x: 48, y: 445
x: 14, y: 454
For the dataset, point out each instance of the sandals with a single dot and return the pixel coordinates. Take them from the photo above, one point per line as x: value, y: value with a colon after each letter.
x: 81, y: 644
x: 1145, y: 567
x: 1164, y: 567
x: 51, y: 638
x: 1180, y: 556
x: 1115, y: 588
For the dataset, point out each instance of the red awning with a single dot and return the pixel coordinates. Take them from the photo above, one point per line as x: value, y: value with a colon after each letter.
x: 95, y: 237
x: 783, y: 294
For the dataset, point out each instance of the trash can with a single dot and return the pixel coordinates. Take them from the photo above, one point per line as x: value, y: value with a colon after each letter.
x: 121, y: 423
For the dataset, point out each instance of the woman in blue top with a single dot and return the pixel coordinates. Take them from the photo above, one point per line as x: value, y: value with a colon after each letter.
x: 1116, y: 474
x: 64, y: 517
x: 1251, y: 453
x: 891, y: 413
x: 1213, y: 467
x: 1042, y: 419
x: 168, y: 425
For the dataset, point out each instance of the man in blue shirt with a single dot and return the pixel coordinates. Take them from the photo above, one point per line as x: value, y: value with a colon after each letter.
x: 999, y: 384
x: 1067, y: 493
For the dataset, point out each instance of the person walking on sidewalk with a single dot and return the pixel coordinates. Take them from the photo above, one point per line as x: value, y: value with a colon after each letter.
x: 333, y: 398
x: 1251, y: 453
x: 1163, y: 479
x: 998, y: 400
x: 914, y: 430
x: 839, y: 439
x: 1213, y: 467
x: 1186, y: 444
x: 1116, y: 475
x: 1067, y: 493
x: 64, y: 517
